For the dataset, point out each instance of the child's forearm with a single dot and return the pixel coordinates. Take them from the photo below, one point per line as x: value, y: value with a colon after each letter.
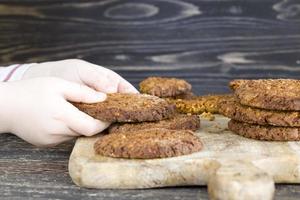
x: 13, y: 72
x: 7, y: 74
x: 3, y: 108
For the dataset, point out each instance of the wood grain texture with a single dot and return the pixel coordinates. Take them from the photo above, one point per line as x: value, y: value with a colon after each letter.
x: 207, y: 42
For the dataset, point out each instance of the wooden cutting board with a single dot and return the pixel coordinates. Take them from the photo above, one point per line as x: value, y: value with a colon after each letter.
x: 233, y: 167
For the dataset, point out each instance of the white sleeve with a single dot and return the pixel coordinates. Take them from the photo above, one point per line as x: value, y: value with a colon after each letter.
x: 13, y: 72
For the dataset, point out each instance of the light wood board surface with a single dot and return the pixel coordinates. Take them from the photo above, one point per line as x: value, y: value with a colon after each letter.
x: 225, y: 156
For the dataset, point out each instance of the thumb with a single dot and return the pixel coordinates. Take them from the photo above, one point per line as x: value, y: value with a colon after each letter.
x: 81, y: 93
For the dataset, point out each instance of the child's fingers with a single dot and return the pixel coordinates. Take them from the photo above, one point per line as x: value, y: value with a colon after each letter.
x: 126, y: 87
x: 123, y: 85
x: 76, y: 120
x: 71, y: 133
x: 98, y: 79
x: 64, y: 139
x: 80, y: 93
x: 80, y: 122
x: 105, y: 80
x: 55, y: 140
x: 64, y: 130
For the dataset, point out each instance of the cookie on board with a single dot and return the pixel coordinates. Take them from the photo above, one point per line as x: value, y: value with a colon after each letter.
x: 177, y: 122
x: 148, y: 144
x: 164, y: 87
x: 259, y: 132
x: 234, y: 110
x: 273, y: 94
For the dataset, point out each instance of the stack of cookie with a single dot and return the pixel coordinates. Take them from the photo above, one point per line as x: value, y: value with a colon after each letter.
x: 144, y: 126
x: 265, y: 109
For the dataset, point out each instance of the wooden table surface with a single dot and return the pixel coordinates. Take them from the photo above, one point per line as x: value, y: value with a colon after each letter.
x: 207, y: 42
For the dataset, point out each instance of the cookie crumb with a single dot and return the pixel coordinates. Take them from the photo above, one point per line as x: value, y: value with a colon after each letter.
x: 207, y: 115
x: 200, y: 104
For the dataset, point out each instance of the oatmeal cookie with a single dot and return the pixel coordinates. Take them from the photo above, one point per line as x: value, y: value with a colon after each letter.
x: 164, y: 87
x: 177, y: 122
x: 259, y: 132
x: 148, y: 144
x: 121, y: 107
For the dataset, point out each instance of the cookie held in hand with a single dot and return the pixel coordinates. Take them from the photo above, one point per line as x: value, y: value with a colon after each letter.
x: 121, y: 107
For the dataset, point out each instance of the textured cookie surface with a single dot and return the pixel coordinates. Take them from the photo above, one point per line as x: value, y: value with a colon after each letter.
x: 234, y: 84
x: 234, y: 110
x: 164, y: 87
x: 186, y: 96
x: 120, y: 107
x: 147, y: 144
x: 177, y: 122
x: 274, y: 94
x: 259, y: 132
x: 200, y: 104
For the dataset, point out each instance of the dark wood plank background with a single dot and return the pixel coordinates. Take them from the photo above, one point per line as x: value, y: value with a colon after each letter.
x: 207, y: 42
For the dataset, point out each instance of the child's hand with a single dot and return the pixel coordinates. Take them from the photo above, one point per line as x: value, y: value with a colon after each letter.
x: 82, y: 72
x: 37, y: 109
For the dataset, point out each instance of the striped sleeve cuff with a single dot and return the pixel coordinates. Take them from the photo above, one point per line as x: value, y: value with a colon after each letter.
x: 13, y: 72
